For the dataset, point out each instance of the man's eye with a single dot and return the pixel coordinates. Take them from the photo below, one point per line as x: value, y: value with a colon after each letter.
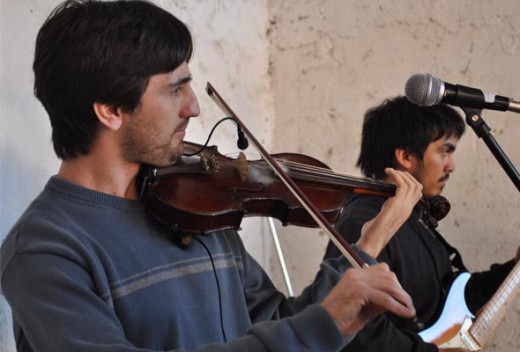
x: 177, y: 89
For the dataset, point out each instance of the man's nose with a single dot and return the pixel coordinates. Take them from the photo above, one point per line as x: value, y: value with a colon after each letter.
x: 191, y: 107
x: 450, y: 166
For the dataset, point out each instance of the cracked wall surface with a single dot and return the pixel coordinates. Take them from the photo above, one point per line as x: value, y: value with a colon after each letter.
x: 332, y: 60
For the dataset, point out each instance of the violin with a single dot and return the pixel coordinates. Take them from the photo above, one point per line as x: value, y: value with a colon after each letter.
x: 213, y: 192
x: 210, y: 192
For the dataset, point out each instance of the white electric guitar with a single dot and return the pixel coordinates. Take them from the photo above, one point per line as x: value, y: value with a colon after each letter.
x: 456, y: 328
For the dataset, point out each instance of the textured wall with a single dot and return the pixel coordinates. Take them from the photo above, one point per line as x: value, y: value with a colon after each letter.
x: 316, y: 66
x: 332, y: 60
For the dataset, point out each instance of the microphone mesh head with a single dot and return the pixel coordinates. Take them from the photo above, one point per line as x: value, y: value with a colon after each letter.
x: 423, y: 89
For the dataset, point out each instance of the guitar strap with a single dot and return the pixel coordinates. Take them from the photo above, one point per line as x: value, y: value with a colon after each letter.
x: 433, y: 210
x: 456, y: 258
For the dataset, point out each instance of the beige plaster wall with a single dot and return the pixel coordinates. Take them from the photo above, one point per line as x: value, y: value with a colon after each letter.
x: 332, y: 60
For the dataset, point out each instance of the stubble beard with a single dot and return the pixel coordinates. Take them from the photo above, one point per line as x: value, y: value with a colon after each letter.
x: 144, y: 149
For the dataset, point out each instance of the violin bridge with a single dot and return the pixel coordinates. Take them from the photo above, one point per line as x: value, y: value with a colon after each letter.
x: 242, y: 166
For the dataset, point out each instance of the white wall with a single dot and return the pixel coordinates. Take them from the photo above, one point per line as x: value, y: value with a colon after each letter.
x: 230, y: 52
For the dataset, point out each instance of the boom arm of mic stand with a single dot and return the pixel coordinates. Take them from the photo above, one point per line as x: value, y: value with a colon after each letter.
x: 474, y: 119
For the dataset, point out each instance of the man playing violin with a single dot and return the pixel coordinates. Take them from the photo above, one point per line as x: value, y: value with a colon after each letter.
x: 86, y: 268
x: 421, y: 141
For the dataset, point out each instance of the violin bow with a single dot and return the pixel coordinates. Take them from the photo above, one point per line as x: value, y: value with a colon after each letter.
x: 350, y: 254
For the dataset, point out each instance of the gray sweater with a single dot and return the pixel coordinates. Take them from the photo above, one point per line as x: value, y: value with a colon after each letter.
x: 86, y: 271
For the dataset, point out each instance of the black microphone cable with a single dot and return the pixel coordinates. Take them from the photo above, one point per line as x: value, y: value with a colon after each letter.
x: 218, y: 288
x: 242, y: 142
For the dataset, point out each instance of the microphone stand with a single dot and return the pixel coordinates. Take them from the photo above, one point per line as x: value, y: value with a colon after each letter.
x: 474, y: 119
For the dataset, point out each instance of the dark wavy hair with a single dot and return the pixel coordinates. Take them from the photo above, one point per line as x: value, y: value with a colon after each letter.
x: 398, y: 123
x: 90, y: 51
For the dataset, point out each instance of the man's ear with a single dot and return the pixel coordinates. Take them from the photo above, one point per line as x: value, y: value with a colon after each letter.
x: 108, y: 115
x: 405, y: 160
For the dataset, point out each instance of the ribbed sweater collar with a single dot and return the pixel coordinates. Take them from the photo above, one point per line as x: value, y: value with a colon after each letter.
x: 72, y: 190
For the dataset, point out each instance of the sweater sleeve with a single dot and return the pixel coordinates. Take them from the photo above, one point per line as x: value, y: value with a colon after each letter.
x: 301, y: 323
x: 54, y: 301
x: 302, y: 315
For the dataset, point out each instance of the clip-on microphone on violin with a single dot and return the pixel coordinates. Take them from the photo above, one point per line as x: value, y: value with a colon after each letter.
x: 242, y: 142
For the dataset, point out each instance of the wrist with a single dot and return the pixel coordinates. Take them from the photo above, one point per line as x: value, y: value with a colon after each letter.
x: 371, y: 245
x: 375, y: 235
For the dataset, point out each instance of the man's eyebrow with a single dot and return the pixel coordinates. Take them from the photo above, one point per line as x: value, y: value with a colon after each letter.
x: 449, y: 146
x: 181, y: 81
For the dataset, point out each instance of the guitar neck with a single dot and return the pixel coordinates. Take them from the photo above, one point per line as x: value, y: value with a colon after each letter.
x: 493, y: 312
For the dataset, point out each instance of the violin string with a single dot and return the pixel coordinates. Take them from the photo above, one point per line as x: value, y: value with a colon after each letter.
x: 317, y: 173
x: 316, y: 170
x: 295, y: 166
x: 331, y: 173
x: 305, y: 169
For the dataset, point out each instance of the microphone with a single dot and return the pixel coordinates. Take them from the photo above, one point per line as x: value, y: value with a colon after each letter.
x: 242, y: 142
x: 423, y: 89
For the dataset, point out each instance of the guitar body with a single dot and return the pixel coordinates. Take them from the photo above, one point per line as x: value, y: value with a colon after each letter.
x: 456, y: 327
x: 451, y: 328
